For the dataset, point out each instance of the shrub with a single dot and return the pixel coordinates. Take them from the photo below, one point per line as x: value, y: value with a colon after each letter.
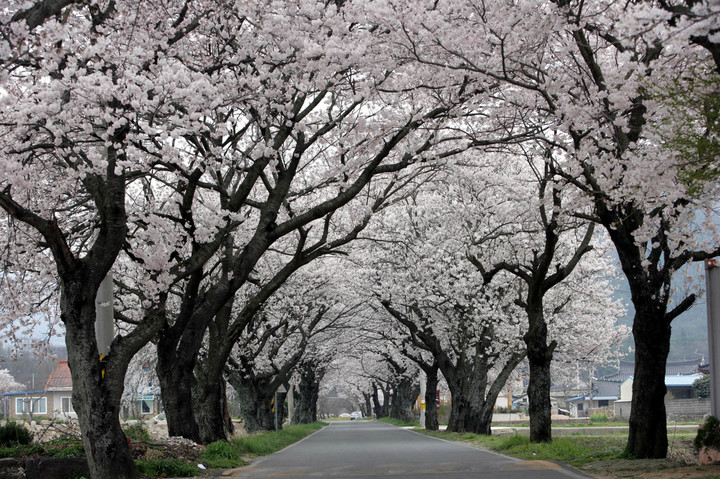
x: 599, y: 418
x: 221, y: 455
x: 701, y: 387
x: 512, y: 441
x: 137, y: 432
x: 14, y: 433
x: 708, y: 435
x: 271, y: 441
x: 167, y: 468
x: 74, y: 449
x: 22, y: 451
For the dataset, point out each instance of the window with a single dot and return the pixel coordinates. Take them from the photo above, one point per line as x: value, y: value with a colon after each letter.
x: 580, y: 406
x: 146, y: 406
x: 66, y: 405
x: 34, y: 405
x: 603, y: 403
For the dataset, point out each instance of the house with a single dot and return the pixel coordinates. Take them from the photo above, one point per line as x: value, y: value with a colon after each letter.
x: 142, y: 405
x: 54, y: 401
x: 613, y: 393
x: 680, y: 399
x: 602, y: 397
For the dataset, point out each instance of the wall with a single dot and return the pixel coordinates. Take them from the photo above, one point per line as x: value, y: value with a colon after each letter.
x: 687, y: 409
x: 676, y: 409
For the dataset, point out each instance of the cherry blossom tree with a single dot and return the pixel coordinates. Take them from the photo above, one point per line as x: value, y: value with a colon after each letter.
x: 584, y: 83
x: 485, y: 212
x: 285, y: 160
x: 304, y: 314
x: 85, y: 95
x: 8, y: 383
x: 547, y: 245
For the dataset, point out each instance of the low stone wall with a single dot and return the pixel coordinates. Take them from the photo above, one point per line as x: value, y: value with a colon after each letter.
x: 687, y: 409
x: 677, y: 410
x: 47, y: 430
x: 158, y: 429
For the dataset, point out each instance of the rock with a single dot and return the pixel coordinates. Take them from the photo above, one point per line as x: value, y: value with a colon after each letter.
x: 55, y: 468
x: 10, y: 462
x: 11, y: 468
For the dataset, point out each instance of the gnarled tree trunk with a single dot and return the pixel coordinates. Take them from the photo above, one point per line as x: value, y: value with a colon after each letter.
x: 404, y: 396
x: 211, y: 412
x: 380, y: 409
x: 470, y: 411
x: 431, y: 412
x: 539, y: 355
x: 648, y: 426
x: 308, y: 393
x: 175, y: 373
x: 256, y: 403
x: 96, y: 399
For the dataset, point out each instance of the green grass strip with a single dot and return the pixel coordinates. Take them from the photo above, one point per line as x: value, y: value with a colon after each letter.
x: 397, y: 422
x: 575, y: 450
x: 264, y: 443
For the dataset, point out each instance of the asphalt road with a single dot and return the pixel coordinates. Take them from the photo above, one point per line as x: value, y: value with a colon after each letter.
x: 367, y: 449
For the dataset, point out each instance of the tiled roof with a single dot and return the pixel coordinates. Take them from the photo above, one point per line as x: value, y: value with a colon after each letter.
x: 60, y: 379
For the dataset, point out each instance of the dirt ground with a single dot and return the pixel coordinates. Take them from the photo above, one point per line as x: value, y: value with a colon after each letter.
x: 682, y: 463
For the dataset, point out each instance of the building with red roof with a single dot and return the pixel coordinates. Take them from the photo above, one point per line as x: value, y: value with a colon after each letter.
x: 55, y: 401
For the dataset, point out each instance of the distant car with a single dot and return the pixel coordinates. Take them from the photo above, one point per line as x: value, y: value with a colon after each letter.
x: 356, y: 415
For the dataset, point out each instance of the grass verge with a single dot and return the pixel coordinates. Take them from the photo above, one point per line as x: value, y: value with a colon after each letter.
x: 167, y: 468
x: 269, y: 442
x: 229, y: 454
x: 574, y: 450
x: 396, y: 422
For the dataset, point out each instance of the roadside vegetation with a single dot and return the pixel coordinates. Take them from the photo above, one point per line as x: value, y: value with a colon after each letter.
x: 159, y: 459
x: 397, y: 422
x: 573, y: 450
x: 229, y: 454
x: 599, y: 455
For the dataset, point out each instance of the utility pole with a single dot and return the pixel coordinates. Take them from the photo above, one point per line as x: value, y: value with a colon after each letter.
x: 423, y: 406
x: 278, y: 402
x: 104, y: 323
x: 291, y: 402
x: 712, y: 280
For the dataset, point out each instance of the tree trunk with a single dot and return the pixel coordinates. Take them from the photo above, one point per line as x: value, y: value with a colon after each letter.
x: 469, y: 411
x: 367, y: 410
x: 176, y: 381
x: 648, y: 428
x: 431, y: 412
x: 539, y: 356
x: 96, y: 400
x: 406, y: 393
x: 650, y: 289
x: 256, y: 404
x: 539, y: 406
x: 211, y: 413
x: 379, y: 408
x: 307, y: 398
